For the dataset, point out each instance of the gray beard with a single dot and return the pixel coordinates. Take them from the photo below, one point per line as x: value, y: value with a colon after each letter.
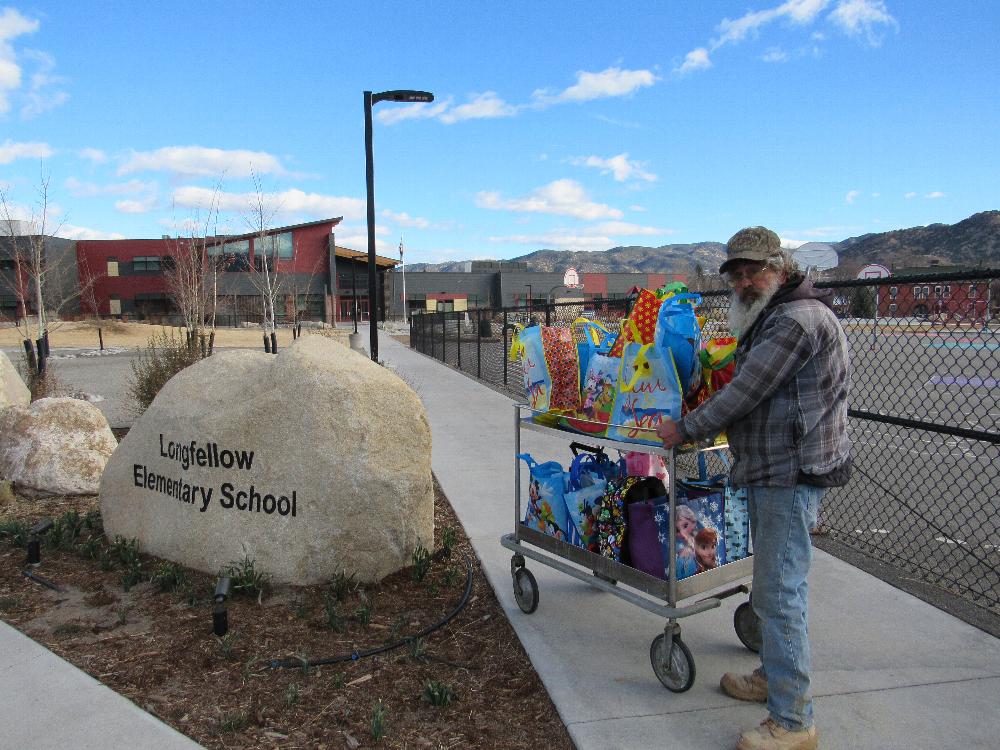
x: 743, y: 315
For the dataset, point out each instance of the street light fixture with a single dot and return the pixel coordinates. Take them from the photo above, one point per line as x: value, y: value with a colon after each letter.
x: 371, y: 99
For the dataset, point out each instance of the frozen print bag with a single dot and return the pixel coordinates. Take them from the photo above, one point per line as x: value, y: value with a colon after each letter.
x: 701, y: 527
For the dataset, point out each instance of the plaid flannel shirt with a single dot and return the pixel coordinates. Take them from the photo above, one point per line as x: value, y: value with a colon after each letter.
x: 785, y: 410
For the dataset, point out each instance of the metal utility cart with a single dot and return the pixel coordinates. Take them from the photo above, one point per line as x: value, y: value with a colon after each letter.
x: 671, y: 659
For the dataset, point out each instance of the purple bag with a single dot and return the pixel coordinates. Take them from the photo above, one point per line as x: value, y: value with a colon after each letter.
x: 648, y: 540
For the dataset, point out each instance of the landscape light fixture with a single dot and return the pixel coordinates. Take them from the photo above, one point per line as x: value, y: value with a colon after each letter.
x: 220, y: 617
x: 34, y: 544
x: 401, y: 95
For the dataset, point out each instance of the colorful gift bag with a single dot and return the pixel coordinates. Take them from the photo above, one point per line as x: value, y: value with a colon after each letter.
x: 677, y: 329
x: 546, y: 507
x: 648, y: 391
x: 701, y: 527
x: 737, y: 520
x: 645, y: 465
x: 549, y: 361
x: 593, y: 338
x: 590, y: 468
x: 640, y: 324
x: 600, y: 387
x: 582, y: 507
x: 611, y: 515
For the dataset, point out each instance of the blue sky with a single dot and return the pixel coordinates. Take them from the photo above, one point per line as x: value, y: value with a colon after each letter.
x: 568, y: 125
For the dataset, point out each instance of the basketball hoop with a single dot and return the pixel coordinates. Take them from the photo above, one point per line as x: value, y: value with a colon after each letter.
x: 571, y: 279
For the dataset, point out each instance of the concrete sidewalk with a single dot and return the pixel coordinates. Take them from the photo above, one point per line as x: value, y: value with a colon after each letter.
x: 48, y: 704
x: 889, y: 671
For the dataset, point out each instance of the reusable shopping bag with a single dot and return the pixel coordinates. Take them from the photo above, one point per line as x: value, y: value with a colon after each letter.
x: 546, y: 507
x: 701, y: 526
x: 593, y: 339
x: 597, y: 397
x: 677, y: 330
x: 611, y: 515
x: 645, y: 465
x: 640, y: 324
x: 648, y: 391
x: 549, y: 361
x: 590, y: 466
x: 737, y: 520
x: 649, y: 536
x: 582, y: 506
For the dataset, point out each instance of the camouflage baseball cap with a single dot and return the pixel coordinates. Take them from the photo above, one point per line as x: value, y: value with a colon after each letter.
x: 752, y: 243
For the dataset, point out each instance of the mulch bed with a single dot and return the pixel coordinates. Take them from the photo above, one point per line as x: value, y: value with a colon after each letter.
x: 151, y: 641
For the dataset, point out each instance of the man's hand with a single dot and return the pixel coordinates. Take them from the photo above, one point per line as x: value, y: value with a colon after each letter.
x: 669, y: 433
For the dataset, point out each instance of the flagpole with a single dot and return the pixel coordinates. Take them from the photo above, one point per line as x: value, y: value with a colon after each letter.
x: 406, y: 317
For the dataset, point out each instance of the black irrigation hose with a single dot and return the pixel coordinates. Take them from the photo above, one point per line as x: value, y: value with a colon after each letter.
x: 38, y: 579
x: 357, y: 655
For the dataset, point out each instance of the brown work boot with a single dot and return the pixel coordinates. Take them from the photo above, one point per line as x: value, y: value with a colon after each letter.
x: 745, y: 687
x: 770, y: 735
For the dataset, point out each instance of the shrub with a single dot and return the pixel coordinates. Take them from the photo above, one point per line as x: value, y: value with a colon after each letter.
x: 246, y: 580
x: 165, y: 356
x: 439, y: 693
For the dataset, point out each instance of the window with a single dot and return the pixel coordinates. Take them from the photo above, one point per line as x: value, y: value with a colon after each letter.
x: 274, y: 244
x: 937, y: 292
x: 972, y: 291
x: 115, y: 305
x: 893, y: 291
x: 947, y: 291
x: 921, y: 292
x: 146, y: 264
x: 112, y: 266
x: 892, y: 308
x: 235, y: 255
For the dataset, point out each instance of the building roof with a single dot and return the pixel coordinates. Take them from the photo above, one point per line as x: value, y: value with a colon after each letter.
x: 380, y: 260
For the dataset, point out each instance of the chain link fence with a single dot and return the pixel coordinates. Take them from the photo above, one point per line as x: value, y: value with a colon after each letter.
x: 924, y: 413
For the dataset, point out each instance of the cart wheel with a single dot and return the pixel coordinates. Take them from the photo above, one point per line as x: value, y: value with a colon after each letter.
x: 525, y: 590
x: 747, y: 626
x: 676, y: 670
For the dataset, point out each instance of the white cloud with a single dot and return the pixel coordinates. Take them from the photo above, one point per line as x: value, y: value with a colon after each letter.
x: 94, y: 155
x: 43, y: 92
x: 12, y: 25
x: 620, y: 166
x: 935, y: 194
x: 130, y: 206
x: 640, y: 209
x: 608, y: 83
x: 80, y: 189
x: 197, y: 160
x: 292, y: 201
x: 863, y: 17
x: 625, y: 229
x: 405, y: 220
x: 73, y: 232
x: 799, y: 12
x: 561, y: 197
x: 696, y: 59
x: 9, y: 150
x: 775, y: 55
x: 909, y: 195
x: 390, y: 115
x: 482, y: 106
x: 849, y: 198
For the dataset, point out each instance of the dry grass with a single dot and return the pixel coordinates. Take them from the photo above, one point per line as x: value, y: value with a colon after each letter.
x: 83, y: 335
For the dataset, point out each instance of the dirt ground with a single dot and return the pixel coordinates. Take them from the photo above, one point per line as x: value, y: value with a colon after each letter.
x: 84, y: 335
x: 143, y: 628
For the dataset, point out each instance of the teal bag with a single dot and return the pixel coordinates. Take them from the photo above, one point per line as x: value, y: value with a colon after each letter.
x: 546, y: 507
x: 677, y: 330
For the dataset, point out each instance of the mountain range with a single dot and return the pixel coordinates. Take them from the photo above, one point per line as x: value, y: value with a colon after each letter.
x: 974, y: 241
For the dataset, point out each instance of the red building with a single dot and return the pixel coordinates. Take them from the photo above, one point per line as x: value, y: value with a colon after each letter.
x: 317, y: 280
x: 938, y: 300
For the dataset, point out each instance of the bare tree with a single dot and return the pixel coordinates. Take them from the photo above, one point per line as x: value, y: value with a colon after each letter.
x: 43, y: 278
x: 264, y: 270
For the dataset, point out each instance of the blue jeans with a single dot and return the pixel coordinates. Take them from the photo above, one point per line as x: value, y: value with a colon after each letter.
x: 780, y: 519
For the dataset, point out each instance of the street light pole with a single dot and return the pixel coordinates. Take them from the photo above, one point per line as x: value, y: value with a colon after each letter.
x: 371, y: 100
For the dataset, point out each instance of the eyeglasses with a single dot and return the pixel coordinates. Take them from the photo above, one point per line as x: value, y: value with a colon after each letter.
x: 734, y: 278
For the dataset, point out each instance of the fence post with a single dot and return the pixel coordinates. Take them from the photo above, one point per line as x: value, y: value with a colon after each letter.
x: 444, y: 339
x: 503, y: 349
x: 479, y: 343
x: 458, y: 330
x: 548, y: 314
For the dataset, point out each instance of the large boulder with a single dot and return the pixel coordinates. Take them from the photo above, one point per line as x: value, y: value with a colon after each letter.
x: 13, y: 391
x: 55, y: 446
x: 311, y: 462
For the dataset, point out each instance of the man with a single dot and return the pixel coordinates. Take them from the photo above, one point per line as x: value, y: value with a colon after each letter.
x: 785, y: 413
